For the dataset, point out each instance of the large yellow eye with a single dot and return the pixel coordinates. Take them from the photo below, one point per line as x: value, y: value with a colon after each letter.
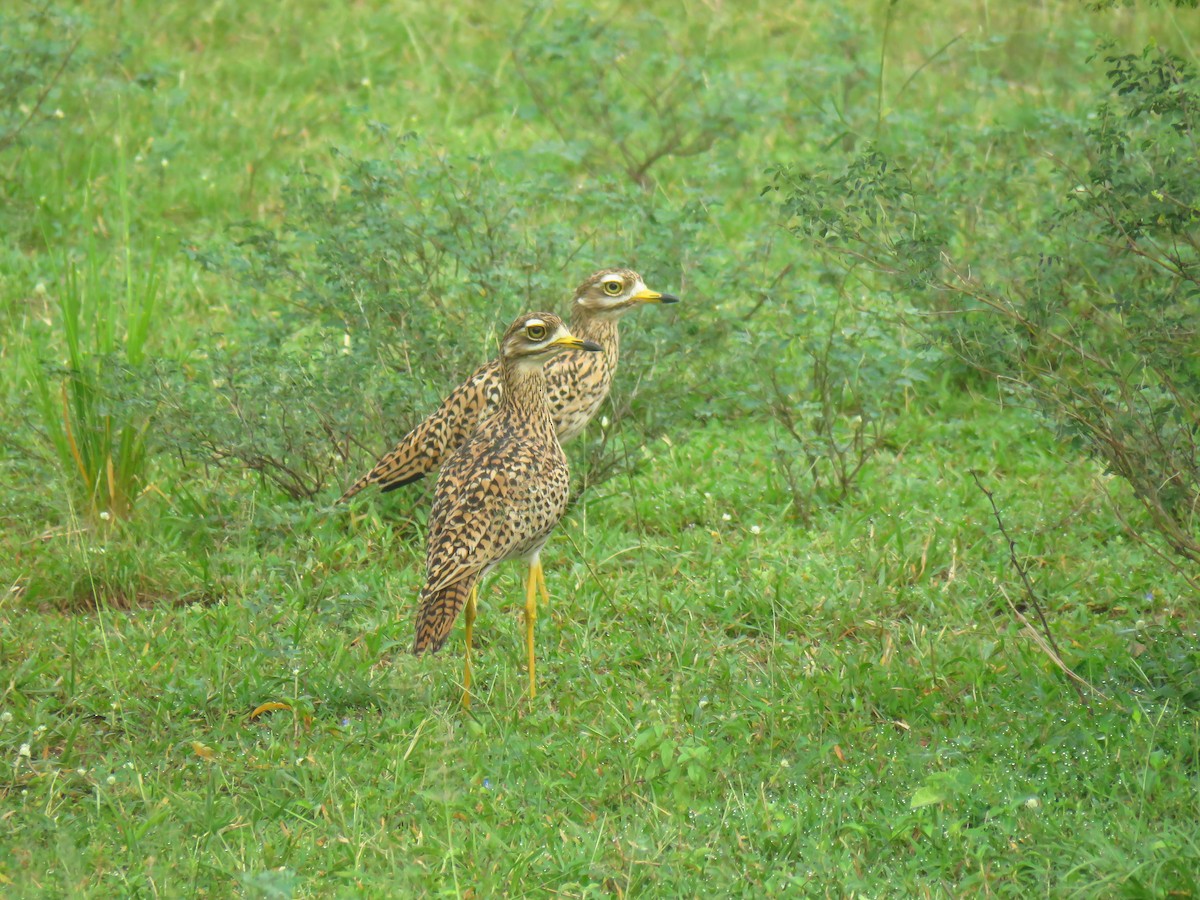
x: 612, y: 288
x: 535, y: 332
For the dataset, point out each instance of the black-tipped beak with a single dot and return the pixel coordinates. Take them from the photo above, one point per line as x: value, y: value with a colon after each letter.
x: 573, y: 343
x: 649, y: 296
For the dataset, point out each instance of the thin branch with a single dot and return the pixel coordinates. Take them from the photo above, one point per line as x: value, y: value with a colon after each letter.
x: 1079, y: 681
x: 1054, y: 652
x: 769, y: 292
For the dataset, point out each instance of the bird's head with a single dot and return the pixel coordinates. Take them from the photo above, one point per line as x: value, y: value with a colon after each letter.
x: 613, y: 292
x: 535, y: 337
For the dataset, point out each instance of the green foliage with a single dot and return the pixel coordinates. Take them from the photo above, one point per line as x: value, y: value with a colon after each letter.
x: 835, y: 392
x: 395, y: 279
x: 1091, y: 310
x: 1113, y: 4
x: 37, y: 44
x: 40, y: 56
x: 625, y: 92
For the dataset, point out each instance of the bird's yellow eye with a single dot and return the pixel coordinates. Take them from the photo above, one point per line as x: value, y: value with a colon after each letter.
x: 612, y: 288
x: 535, y: 332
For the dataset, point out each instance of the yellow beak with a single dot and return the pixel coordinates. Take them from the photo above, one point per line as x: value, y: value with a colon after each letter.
x: 574, y: 343
x: 649, y: 296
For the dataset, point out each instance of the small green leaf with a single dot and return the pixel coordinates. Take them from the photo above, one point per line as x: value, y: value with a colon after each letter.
x: 928, y: 795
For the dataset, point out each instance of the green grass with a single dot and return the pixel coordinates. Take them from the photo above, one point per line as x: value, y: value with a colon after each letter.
x: 738, y: 702
x: 738, y: 696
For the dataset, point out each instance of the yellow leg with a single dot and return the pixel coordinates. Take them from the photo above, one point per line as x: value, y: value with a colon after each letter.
x: 530, y: 617
x: 540, y: 576
x: 466, y: 700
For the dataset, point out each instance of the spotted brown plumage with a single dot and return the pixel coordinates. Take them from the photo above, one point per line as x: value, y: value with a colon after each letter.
x: 500, y: 494
x: 576, y: 384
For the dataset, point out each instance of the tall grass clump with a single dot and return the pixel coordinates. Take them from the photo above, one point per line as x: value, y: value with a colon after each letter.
x: 83, y: 367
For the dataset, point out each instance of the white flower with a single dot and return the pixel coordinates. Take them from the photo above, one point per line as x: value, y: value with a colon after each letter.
x: 754, y: 529
x: 106, y: 515
x: 25, y: 752
x: 5, y: 717
x: 111, y: 779
x: 726, y: 517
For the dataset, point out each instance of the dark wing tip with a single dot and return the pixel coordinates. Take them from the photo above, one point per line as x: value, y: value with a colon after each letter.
x: 392, y: 485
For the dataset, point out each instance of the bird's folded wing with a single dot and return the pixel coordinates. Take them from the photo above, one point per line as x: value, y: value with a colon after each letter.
x: 429, y: 444
x: 469, y: 524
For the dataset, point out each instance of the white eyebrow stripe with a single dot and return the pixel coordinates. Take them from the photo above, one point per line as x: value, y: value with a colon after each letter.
x: 531, y: 322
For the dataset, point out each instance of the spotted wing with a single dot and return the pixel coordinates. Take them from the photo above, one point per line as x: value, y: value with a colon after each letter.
x: 482, y: 490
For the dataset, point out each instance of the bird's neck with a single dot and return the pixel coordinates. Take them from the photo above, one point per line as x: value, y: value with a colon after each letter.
x: 525, y: 392
x: 601, y: 329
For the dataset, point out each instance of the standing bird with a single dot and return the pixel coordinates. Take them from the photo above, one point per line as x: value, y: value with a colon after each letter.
x: 576, y: 385
x: 500, y: 494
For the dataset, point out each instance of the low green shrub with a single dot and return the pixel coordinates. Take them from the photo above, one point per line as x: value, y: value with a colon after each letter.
x: 1088, y: 309
x: 383, y: 289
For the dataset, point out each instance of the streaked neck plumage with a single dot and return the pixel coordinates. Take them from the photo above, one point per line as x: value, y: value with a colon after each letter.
x: 525, y: 393
x: 599, y: 328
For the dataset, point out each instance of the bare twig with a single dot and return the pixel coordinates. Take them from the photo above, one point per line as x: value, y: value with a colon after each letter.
x: 1079, y: 681
x: 1047, y: 643
x: 768, y: 293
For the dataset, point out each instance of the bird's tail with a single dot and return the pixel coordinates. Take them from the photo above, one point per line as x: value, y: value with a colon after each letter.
x: 437, y: 613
